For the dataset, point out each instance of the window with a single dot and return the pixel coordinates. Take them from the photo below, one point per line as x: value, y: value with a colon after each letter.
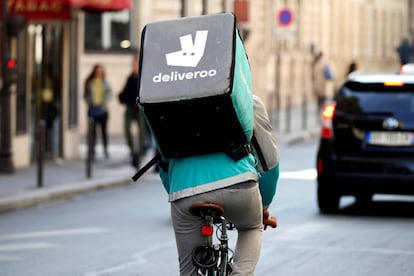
x: 110, y: 31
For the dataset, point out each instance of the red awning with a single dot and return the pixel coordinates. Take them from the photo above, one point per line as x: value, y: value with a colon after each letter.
x: 104, y: 5
x: 60, y: 9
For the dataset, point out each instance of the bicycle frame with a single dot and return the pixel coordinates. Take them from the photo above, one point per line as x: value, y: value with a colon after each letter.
x: 213, y: 259
x: 225, y: 262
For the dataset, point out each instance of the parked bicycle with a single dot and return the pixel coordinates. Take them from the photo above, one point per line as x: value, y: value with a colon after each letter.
x: 215, y: 259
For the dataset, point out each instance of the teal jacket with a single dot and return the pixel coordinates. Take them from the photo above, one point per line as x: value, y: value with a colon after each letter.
x: 202, y: 173
x: 198, y: 174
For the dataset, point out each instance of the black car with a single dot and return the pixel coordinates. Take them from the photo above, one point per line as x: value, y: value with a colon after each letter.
x: 367, y: 140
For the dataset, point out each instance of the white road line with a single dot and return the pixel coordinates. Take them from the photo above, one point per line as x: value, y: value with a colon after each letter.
x: 54, y: 233
x: 308, y: 174
x: 26, y: 246
x: 4, y: 258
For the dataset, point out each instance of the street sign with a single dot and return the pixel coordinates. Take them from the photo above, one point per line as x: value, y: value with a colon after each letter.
x: 285, y: 17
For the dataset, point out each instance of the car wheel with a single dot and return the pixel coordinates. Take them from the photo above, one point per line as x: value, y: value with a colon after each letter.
x: 328, y: 199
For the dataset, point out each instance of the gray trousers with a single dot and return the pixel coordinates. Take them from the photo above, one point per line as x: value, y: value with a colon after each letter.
x: 242, y: 205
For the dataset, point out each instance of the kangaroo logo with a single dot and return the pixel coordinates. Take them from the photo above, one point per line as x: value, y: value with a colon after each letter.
x: 190, y: 53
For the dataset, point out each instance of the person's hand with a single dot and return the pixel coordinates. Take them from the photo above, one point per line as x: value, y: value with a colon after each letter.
x: 272, y: 221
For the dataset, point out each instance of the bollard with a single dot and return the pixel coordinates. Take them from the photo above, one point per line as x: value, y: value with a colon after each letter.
x: 278, y: 108
x: 41, y: 133
x: 304, y: 113
x: 278, y: 88
x: 90, y: 149
x: 288, y: 113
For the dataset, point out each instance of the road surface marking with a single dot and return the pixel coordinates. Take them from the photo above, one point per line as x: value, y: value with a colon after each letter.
x: 308, y: 174
x: 4, y: 258
x: 26, y: 246
x: 54, y: 233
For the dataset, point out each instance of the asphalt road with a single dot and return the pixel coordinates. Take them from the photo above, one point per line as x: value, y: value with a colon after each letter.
x: 127, y: 231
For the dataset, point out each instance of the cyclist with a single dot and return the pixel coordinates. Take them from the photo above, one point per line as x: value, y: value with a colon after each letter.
x: 238, y: 186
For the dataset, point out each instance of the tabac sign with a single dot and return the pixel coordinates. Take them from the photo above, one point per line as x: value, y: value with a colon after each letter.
x: 40, y: 9
x: 61, y: 9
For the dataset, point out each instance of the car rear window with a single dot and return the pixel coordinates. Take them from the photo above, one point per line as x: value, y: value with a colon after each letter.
x: 376, y: 98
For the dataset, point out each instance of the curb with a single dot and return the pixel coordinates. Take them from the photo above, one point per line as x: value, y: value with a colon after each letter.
x: 35, y: 197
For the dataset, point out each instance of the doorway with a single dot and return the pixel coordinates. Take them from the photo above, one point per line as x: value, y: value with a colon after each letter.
x: 46, y: 42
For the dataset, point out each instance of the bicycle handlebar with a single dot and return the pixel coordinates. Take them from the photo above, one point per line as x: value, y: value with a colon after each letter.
x: 272, y: 222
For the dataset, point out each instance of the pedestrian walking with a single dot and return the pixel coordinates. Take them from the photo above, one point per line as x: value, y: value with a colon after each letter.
x: 133, y: 115
x: 321, y: 73
x: 353, y: 66
x: 97, y: 93
x: 405, y: 51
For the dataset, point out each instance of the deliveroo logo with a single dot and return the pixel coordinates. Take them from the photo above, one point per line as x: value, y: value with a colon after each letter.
x: 190, y: 53
x: 189, y: 56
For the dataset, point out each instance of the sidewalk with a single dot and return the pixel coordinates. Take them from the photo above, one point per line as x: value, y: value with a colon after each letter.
x: 64, y: 179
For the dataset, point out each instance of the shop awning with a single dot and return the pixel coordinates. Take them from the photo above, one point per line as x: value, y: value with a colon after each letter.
x: 61, y: 9
x: 103, y: 5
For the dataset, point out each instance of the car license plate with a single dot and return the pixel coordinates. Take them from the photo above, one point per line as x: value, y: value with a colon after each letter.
x: 389, y: 138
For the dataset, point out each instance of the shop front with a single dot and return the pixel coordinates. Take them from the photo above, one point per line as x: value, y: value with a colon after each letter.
x: 42, y: 103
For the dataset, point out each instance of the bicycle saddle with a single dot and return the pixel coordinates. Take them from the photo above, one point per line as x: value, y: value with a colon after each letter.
x: 203, y: 209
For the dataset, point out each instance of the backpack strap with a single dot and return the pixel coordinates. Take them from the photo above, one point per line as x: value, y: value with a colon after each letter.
x: 147, y: 166
x: 239, y: 152
x: 259, y: 153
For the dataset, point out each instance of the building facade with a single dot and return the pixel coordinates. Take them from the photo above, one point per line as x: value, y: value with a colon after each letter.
x: 281, y: 39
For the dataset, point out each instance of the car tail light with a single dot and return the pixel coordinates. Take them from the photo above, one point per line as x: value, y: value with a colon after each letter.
x: 319, y: 166
x: 327, y: 116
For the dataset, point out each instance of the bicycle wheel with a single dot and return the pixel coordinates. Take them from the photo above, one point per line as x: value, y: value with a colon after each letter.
x: 204, y: 257
x: 206, y: 272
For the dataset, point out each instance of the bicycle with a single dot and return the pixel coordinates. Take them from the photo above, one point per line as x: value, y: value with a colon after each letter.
x: 215, y: 259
